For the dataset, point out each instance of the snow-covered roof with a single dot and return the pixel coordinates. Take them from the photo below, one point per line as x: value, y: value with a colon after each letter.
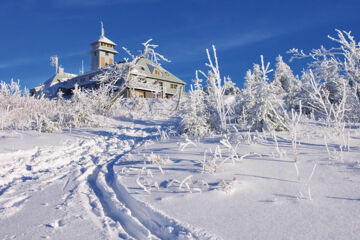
x: 145, y: 66
x: 105, y: 40
x: 59, y: 77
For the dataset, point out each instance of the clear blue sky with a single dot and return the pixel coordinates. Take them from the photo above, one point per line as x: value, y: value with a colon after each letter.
x: 33, y: 30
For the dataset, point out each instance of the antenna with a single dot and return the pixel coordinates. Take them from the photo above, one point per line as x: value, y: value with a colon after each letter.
x: 102, y: 29
x: 82, y: 67
x: 54, y: 61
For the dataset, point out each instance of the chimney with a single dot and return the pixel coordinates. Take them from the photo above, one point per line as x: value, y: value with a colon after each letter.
x: 61, y: 71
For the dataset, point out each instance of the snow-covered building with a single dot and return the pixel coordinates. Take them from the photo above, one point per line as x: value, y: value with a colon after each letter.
x: 144, y: 77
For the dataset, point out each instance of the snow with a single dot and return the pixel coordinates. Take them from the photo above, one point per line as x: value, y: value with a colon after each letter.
x: 139, y: 176
x: 265, y: 202
x: 105, y: 40
x: 92, y: 182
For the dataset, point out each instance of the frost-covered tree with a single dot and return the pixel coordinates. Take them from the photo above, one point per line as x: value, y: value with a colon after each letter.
x: 283, y: 76
x: 262, y: 106
x: 215, y: 94
x: 285, y: 83
x: 150, y: 53
x: 195, y: 116
x: 230, y: 88
x: 332, y: 80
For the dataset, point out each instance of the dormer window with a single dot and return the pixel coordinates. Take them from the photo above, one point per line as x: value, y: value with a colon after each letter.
x: 157, y: 72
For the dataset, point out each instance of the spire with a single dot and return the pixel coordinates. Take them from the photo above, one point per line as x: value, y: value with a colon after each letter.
x: 102, y: 29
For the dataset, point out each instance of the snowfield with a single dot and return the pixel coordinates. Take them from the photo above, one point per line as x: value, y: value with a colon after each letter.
x: 278, y: 159
x: 138, y: 180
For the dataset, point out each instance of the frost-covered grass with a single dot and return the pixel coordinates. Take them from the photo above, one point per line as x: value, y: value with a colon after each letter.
x: 135, y: 178
x: 254, y: 183
x: 20, y: 111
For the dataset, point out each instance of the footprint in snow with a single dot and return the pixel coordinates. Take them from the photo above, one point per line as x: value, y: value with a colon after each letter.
x: 56, y: 224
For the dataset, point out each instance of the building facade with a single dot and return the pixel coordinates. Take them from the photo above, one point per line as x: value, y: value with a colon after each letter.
x: 145, y: 79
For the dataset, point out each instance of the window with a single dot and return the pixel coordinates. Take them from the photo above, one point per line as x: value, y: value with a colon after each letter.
x: 157, y: 72
x: 173, y: 86
x: 139, y: 93
x: 142, y: 80
x: 107, y: 54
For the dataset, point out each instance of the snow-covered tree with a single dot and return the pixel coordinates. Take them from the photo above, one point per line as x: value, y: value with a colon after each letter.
x: 230, y: 88
x: 331, y: 82
x: 215, y: 93
x: 285, y: 83
x: 195, y: 116
x: 262, y: 106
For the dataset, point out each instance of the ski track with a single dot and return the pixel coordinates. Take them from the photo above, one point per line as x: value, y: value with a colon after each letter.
x: 86, y: 166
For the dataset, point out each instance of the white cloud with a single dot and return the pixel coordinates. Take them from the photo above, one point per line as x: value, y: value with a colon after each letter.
x: 68, y: 3
x: 22, y: 61
x: 246, y: 39
x: 3, y: 65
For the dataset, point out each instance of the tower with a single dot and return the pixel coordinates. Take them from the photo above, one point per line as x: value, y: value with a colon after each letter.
x: 103, y: 52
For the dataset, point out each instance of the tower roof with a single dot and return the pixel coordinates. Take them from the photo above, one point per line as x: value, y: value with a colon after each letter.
x: 103, y: 38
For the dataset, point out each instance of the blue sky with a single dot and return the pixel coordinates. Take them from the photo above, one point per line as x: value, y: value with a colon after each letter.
x: 34, y: 30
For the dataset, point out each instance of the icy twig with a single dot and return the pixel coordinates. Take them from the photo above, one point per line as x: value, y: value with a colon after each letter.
x: 187, y: 142
x: 186, y: 182
x: 138, y: 181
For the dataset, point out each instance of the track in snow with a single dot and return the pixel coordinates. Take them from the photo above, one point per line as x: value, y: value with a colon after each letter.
x: 136, y: 219
x: 86, y: 168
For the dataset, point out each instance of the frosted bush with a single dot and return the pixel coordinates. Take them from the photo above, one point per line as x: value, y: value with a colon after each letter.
x: 20, y: 111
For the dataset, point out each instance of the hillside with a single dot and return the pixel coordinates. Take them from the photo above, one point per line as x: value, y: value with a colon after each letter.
x: 136, y: 180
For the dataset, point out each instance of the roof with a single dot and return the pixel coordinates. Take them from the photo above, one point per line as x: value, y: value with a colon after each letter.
x: 104, y: 40
x: 143, y: 67
x: 146, y: 67
x: 59, y: 77
x: 105, y: 49
x: 50, y: 86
